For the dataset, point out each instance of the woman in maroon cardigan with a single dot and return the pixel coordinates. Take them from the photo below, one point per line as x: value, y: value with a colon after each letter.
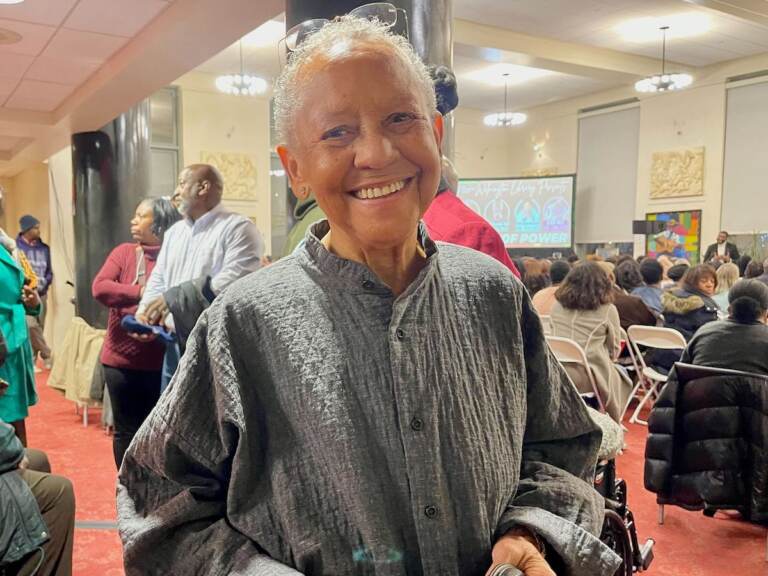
x: 132, y: 367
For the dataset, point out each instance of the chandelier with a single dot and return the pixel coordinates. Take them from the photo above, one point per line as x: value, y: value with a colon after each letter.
x: 665, y: 81
x: 502, y: 119
x: 241, y: 84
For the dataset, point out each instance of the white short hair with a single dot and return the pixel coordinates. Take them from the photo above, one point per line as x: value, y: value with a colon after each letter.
x: 287, y: 97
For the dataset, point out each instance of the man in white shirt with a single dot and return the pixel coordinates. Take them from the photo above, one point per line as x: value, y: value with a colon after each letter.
x: 201, y: 255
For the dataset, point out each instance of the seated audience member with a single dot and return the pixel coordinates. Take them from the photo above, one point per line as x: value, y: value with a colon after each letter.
x: 37, y: 510
x: 743, y: 262
x: 132, y: 366
x: 632, y: 310
x: 584, y: 312
x: 739, y: 342
x: 288, y: 443
x: 448, y: 219
x: 754, y: 269
x: 727, y: 276
x: 675, y: 276
x: 572, y: 259
x: 650, y: 292
x: 764, y: 276
x: 628, y: 275
x: 688, y: 308
x: 544, y: 299
x: 534, y: 283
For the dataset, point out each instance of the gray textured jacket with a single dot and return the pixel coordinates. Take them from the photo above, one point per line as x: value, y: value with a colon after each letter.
x: 318, y: 424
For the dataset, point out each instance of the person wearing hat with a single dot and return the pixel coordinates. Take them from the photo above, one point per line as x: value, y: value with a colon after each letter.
x: 38, y: 254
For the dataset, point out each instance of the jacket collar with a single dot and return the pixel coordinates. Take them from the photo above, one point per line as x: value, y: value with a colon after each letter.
x: 356, y: 276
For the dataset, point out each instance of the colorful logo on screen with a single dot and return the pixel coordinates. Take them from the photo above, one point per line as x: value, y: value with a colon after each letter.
x: 557, y: 215
x: 497, y: 212
x: 527, y: 216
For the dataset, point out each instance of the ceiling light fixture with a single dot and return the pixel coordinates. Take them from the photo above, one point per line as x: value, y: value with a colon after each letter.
x: 665, y: 81
x: 11, y: 1
x: 503, y: 119
x: 241, y: 84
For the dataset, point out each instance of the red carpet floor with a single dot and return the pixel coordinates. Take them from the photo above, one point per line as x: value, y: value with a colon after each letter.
x: 688, y: 544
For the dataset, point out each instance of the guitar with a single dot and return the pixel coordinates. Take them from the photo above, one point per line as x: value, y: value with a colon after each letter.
x: 665, y: 245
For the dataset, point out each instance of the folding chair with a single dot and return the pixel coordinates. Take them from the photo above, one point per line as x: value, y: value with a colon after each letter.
x: 647, y: 378
x: 572, y: 357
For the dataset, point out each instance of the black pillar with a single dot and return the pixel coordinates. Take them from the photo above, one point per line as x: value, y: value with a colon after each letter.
x: 111, y: 170
x: 430, y: 31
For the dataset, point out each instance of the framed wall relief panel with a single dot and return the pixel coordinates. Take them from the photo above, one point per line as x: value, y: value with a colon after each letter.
x: 238, y: 171
x: 677, y: 173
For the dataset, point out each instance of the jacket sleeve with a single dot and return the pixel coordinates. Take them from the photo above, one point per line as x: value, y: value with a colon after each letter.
x: 555, y: 497
x: 48, y: 270
x: 173, y: 484
x: 709, y: 253
x: 107, y: 287
x: 11, y: 449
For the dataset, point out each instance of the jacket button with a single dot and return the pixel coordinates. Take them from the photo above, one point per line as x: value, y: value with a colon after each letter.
x: 417, y: 424
x: 431, y: 512
x: 400, y: 334
x: 368, y: 285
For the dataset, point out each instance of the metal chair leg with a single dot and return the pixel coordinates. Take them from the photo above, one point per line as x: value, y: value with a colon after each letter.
x: 635, y: 418
x: 661, y: 517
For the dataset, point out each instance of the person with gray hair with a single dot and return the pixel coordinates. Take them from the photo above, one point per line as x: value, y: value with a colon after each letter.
x: 373, y: 403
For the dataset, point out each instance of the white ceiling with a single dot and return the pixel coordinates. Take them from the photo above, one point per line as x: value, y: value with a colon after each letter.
x: 583, y: 22
x: 593, y: 22
x: 62, y: 44
x: 550, y: 88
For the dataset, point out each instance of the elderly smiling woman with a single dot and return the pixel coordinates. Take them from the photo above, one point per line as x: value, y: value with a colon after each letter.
x: 373, y: 403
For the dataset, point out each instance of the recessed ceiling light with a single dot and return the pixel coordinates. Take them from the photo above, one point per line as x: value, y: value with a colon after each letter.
x: 9, y: 36
x: 683, y: 25
x: 268, y: 34
x: 509, y: 74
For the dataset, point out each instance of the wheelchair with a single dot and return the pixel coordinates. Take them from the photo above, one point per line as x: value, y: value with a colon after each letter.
x: 619, y: 529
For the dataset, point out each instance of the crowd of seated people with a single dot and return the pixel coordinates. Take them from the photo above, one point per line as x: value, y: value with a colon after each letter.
x: 716, y: 307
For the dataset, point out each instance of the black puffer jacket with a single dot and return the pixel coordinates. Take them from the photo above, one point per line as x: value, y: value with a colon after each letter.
x: 708, y: 441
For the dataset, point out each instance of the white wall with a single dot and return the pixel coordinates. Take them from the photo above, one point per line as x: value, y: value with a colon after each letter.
x: 216, y: 122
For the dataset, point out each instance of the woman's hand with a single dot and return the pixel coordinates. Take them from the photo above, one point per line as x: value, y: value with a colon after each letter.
x: 519, y: 551
x: 30, y: 297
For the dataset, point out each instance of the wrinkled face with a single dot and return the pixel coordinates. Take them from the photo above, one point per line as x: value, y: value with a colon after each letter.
x: 722, y: 237
x: 187, y: 194
x: 707, y: 285
x: 366, y: 144
x: 141, y: 224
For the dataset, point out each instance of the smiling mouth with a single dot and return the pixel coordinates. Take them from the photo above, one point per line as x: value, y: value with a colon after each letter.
x: 381, y: 191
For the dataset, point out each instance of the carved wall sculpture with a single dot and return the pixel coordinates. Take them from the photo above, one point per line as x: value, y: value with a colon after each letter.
x: 238, y: 171
x: 677, y: 173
